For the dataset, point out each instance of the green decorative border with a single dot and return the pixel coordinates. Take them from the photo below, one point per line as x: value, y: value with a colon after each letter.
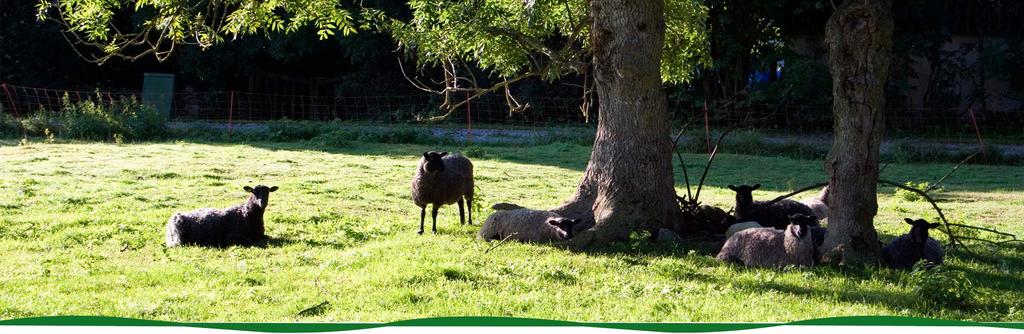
x: 499, y: 321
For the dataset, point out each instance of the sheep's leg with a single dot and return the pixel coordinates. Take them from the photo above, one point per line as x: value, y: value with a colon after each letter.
x: 423, y: 214
x: 469, y: 207
x: 462, y: 213
x: 433, y: 215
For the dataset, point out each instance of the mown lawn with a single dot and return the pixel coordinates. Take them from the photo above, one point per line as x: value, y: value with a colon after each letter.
x: 82, y: 228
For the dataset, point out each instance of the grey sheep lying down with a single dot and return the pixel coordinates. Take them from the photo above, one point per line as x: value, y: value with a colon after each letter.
x: 769, y: 247
x: 526, y: 225
x: 238, y: 225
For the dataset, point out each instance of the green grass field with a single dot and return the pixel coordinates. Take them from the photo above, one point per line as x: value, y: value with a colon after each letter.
x: 82, y: 229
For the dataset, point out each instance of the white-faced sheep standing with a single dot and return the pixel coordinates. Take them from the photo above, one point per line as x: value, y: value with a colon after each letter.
x: 818, y: 204
x: 775, y: 215
x: 238, y: 225
x: 443, y: 179
x: 768, y: 247
x: 528, y: 225
x: 908, y: 249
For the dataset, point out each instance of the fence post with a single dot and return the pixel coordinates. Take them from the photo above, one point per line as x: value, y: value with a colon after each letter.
x: 977, y: 130
x: 24, y: 133
x: 231, y: 111
x: 11, y: 100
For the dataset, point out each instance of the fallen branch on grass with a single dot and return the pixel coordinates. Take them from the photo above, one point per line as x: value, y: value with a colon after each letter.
x: 943, y: 178
x: 315, y: 309
x: 500, y: 242
x: 954, y: 239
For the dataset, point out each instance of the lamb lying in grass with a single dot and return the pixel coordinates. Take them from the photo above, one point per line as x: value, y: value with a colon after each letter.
x: 908, y: 249
x: 768, y: 247
x: 238, y: 225
x: 528, y: 225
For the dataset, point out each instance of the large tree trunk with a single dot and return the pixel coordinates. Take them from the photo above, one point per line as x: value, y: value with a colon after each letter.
x: 859, y: 37
x: 628, y: 184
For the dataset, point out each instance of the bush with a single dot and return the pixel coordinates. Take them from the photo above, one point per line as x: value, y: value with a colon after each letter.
x: 124, y: 119
x: 474, y: 152
x: 9, y: 126
x: 288, y: 130
x: 911, y: 196
x: 941, y: 286
x: 37, y: 123
x: 336, y: 138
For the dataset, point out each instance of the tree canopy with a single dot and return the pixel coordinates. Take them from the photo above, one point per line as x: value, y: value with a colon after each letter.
x: 507, y: 38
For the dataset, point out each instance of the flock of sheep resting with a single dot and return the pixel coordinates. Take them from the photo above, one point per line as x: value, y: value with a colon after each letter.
x: 759, y: 234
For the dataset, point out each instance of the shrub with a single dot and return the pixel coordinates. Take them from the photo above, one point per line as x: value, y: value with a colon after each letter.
x: 37, y: 123
x: 125, y: 119
x: 10, y: 127
x: 336, y: 138
x: 474, y: 152
x: 941, y: 286
x: 911, y: 196
x: 288, y: 130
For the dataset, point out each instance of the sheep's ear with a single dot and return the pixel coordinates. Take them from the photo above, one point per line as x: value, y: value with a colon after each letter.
x: 248, y: 189
x: 935, y: 225
x: 756, y: 186
x: 909, y: 221
x: 272, y: 189
x: 553, y: 222
x: 732, y: 187
x: 443, y: 154
x: 426, y: 154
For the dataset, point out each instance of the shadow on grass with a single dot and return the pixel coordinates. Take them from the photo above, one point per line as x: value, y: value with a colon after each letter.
x: 284, y: 242
x: 991, y: 273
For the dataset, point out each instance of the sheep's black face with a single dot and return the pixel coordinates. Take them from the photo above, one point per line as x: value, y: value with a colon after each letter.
x: 800, y: 224
x: 260, y: 194
x: 919, y: 231
x: 564, y: 224
x: 744, y: 193
x: 802, y: 219
x: 434, y: 164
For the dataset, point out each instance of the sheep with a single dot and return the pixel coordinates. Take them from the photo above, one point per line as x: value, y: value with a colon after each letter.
x: 775, y: 215
x: 734, y: 228
x: 505, y: 206
x: 768, y: 247
x: 908, y: 249
x: 818, y: 204
x: 442, y: 179
x: 715, y: 219
x: 238, y: 225
x: 528, y: 225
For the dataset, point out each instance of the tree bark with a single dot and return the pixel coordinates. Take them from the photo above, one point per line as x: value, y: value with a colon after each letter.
x: 628, y: 184
x: 859, y: 38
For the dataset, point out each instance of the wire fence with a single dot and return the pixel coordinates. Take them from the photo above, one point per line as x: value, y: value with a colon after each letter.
x: 234, y: 106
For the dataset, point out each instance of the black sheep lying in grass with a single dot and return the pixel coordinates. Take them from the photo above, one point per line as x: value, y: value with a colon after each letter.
x: 908, y: 249
x: 775, y: 215
x: 238, y: 225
